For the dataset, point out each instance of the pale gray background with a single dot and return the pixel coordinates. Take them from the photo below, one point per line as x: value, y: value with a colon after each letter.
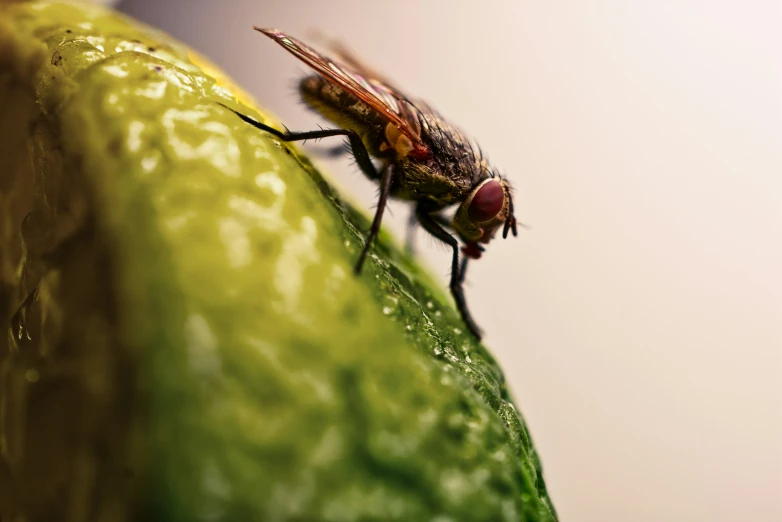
x: 639, y: 320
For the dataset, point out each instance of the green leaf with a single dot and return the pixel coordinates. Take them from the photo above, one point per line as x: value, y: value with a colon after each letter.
x: 188, y: 340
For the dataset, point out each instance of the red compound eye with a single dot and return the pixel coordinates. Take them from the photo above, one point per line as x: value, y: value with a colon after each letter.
x: 487, y: 202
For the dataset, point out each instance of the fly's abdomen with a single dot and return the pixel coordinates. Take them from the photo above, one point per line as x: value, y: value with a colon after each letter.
x: 345, y: 110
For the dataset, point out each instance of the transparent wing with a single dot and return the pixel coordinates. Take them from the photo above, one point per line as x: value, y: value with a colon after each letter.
x: 349, y: 74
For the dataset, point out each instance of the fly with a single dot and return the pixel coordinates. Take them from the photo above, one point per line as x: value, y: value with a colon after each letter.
x: 423, y: 158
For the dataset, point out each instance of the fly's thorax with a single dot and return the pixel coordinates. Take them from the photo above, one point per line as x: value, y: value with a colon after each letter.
x: 422, y: 180
x: 455, y: 154
x: 483, y: 211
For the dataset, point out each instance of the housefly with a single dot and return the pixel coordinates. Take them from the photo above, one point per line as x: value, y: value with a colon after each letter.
x: 422, y: 158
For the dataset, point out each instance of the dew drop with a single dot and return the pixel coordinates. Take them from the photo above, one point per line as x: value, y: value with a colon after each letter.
x: 457, y: 331
x: 391, y: 305
x: 429, y: 305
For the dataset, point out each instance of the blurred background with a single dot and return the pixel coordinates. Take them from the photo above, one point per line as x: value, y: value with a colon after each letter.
x: 639, y: 320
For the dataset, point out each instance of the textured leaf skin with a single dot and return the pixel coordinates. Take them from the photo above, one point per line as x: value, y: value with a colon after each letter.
x: 188, y: 341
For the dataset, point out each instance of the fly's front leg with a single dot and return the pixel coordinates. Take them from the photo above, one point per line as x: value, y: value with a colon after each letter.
x: 463, y: 270
x: 431, y: 225
x: 412, y: 222
x: 357, y: 147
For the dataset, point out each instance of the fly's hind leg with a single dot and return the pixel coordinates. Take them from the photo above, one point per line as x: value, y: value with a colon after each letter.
x: 357, y: 147
x: 363, y: 160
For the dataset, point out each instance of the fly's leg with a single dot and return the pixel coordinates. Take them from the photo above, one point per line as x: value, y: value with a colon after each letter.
x: 412, y: 222
x: 431, y: 225
x: 341, y: 150
x: 385, y: 190
x: 363, y: 160
x: 357, y: 147
x: 463, y: 270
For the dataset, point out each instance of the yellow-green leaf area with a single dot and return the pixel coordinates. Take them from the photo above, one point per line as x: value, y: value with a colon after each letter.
x: 182, y: 286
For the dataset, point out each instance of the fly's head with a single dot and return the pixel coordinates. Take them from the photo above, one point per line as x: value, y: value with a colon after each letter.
x: 488, y: 206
